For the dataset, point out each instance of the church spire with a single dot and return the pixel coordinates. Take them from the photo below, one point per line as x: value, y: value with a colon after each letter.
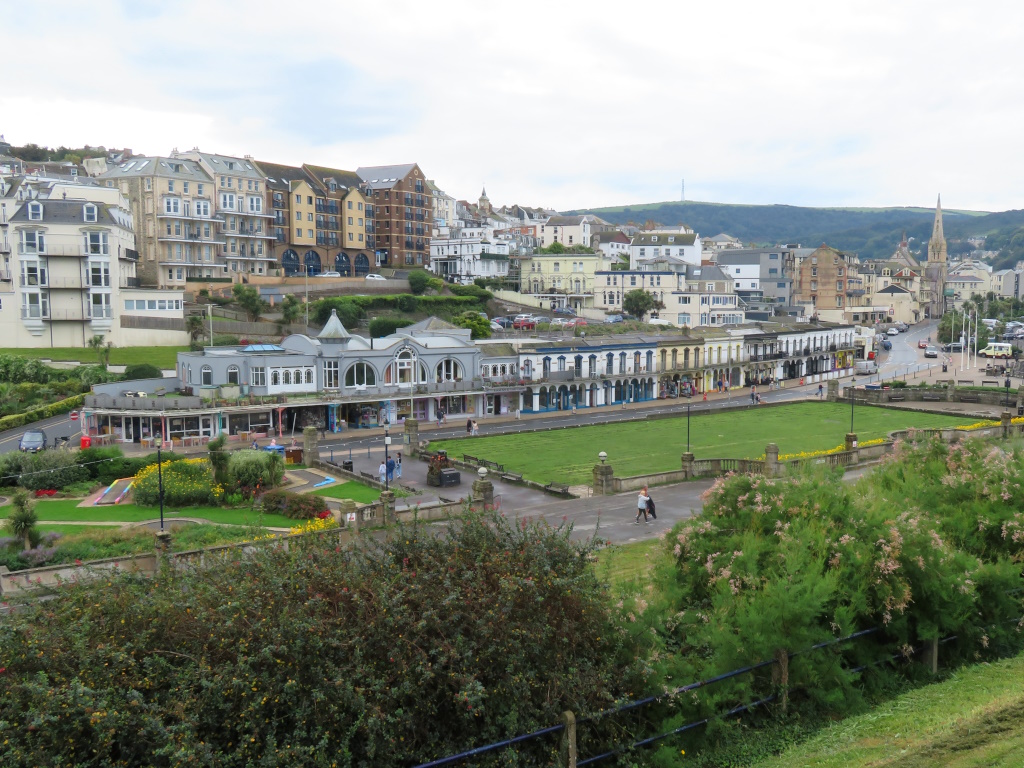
x: 937, y: 243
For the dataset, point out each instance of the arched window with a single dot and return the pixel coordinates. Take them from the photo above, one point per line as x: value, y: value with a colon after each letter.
x: 207, y: 376
x: 297, y: 376
x: 494, y: 370
x: 650, y: 360
x: 664, y: 358
x: 360, y: 375
x: 622, y: 362
x: 286, y: 377
x: 451, y: 370
x: 547, y: 366
x: 232, y: 374
x: 528, y: 369
x: 609, y: 363
x: 275, y: 377
x: 504, y: 370
x: 636, y: 361
x: 686, y: 358
x: 578, y: 363
x: 484, y: 370
x: 561, y: 362
x: 403, y: 369
x: 675, y: 358
x: 309, y: 376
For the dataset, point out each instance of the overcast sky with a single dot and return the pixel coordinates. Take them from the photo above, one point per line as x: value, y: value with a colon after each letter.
x: 561, y: 104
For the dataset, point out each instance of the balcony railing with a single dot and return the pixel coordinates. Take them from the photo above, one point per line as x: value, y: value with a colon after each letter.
x: 33, y: 282
x: 35, y: 313
x: 131, y: 282
x: 279, y: 203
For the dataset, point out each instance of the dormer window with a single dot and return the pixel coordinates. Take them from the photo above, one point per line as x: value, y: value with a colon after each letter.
x: 89, y: 213
x: 35, y: 211
x: 654, y: 239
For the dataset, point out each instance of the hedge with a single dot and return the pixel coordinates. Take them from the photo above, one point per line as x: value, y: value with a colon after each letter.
x: 37, y: 414
x: 385, y: 326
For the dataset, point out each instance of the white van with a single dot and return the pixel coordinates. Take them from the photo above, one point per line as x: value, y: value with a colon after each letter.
x: 865, y: 367
x: 997, y: 349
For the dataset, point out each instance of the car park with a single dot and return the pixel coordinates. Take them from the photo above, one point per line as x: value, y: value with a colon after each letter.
x: 33, y: 441
x: 560, y: 322
x: 931, y: 351
x: 375, y: 276
x: 497, y: 326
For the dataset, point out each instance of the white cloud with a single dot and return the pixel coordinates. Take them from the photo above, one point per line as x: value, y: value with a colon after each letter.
x: 565, y: 104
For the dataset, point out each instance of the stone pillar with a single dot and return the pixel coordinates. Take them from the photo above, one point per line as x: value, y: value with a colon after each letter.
x: 851, y: 441
x: 1004, y: 421
x: 310, y: 446
x: 950, y: 390
x: 412, y: 436
x: 163, y: 547
x: 687, y: 462
x: 483, y: 489
x: 603, y: 482
x: 833, y: 390
x: 345, y: 507
x: 771, y: 460
x: 567, y: 745
x: 387, y: 499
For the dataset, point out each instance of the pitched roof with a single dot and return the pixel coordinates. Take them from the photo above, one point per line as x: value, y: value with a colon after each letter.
x: 346, y: 179
x: 665, y: 238
x: 431, y: 324
x: 279, y: 176
x: 384, y: 176
x: 68, y: 212
x: 168, y: 167
x: 610, y: 236
x: 893, y: 288
x: 333, y: 330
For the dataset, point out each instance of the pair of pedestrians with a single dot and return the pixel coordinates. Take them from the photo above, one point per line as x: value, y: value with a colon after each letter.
x: 645, y: 507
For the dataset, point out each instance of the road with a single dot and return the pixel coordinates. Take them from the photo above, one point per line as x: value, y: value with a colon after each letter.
x: 56, y: 426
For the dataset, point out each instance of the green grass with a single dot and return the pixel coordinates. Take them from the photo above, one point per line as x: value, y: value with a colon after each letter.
x: 68, y: 509
x: 70, y: 528
x: 643, y: 447
x: 349, y: 490
x: 163, y: 357
x: 627, y: 565
x: 973, y: 719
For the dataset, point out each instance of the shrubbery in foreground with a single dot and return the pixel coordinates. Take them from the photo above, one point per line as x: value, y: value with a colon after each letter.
x: 387, y: 654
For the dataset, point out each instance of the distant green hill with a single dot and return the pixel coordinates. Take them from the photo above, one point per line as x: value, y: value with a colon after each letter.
x: 870, y: 232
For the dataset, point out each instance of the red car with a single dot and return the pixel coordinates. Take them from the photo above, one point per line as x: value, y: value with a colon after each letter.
x: 576, y: 322
x: 922, y: 344
x: 524, y: 324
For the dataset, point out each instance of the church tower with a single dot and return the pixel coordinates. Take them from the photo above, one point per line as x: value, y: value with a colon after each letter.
x: 935, y: 269
x: 484, y: 203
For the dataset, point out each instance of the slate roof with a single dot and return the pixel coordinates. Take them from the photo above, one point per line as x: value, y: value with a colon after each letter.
x: 279, y: 176
x: 678, y: 238
x: 166, y: 167
x: 384, y: 176
x: 237, y: 166
x: 431, y: 324
x: 346, y: 179
x: 892, y: 288
x: 333, y: 330
x: 67, y: 212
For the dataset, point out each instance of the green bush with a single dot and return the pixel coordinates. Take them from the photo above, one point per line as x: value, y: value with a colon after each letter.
x: 142, y: 371
x: 385, y: 326
x: 10, y: 467
x: 348, y: 312
x: 390, y: 653
x: 418, y: 280
x: 51, y: 470
x: 478, y: 293
x: 406, y: 302
x: 297, y: 506
x: 251, y: 469
x: 187, y: 483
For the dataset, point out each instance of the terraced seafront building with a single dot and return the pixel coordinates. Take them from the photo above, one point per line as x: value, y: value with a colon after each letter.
x: 338, y: 380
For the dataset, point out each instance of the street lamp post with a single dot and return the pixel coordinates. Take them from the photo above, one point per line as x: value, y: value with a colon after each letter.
x: 160, y: 478
x: 853, y: 386
x: 1007, y: 385
x: 307, y: 297
x: 687, y: 427
x: 387, y: 442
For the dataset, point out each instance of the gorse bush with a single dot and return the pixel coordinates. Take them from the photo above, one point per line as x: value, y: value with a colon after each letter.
x: 389, y: 654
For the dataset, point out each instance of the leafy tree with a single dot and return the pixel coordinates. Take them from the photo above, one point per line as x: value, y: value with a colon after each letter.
x: 418, y: 280
x: 555, y: 247
x: 219, y: 458
x: 23, y: 519
x: 477, y: 323
x: 349, y: 313
x: 248, y: 298
x: 639, y: 302
x: 952, y: 324
x: 385, y: 326
x: 291, y: 308
x: 142, y: 371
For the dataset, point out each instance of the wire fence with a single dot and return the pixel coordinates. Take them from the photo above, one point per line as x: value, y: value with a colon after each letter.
x: 931, y: 655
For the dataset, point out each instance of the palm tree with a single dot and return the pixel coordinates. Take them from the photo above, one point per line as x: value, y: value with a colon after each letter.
x: 102, y: 349
x: 195, y: 327
x: 23, y: 519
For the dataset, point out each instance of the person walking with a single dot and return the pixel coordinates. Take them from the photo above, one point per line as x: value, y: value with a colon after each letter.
x: 390, y: 469
x: 382, y: 471
x: 753, y: 394
x: 469, y: 426
x: 476, y: 428
x: 398, y: 466
x: 820, y: 390
x: 641, y: 506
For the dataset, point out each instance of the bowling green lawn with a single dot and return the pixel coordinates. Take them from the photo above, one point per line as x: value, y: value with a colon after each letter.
x: 642, y: 447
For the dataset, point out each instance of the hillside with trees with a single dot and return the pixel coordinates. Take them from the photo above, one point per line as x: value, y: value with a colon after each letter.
x: 870, y: 232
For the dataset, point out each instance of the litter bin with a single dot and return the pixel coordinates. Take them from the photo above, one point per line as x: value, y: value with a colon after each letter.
x: 450, y: 477
x: 943, y: 367
x: 1020, y: 410
x: 347, y: 465
x: 292, y: 455
x: 86, y: 442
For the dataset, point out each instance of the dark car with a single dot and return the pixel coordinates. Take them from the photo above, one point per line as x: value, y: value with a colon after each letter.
x: 565, y: 311
x: 33, y: 441
x: 956, y: 346
x: 613, y: 319
x: 504, y: 322
x: 931, y: 351
x: 886, y: 345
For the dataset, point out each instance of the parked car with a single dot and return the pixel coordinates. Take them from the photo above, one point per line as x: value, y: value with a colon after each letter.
x: 956, y: 346
x: 931, y: 351
x: 902, y: 327
x: 524, y: 323
x: 613, y: 319
x: 560, y: 322
x: 329, y: 274
x: 504, y: 322
x: 886, y: 345
x: 565, y: 311
x: 497, y: 326
x: 922, y: 344
x: 33, y: 441
x: 375, y: 276
x: 893, y: 332
x: 576, y: 322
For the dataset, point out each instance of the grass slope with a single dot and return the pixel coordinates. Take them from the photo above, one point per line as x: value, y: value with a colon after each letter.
x: 973, y: 719
x: 636, y: 448
x: 364, y: 494
x: 68, y: 510
x: 162, y: 357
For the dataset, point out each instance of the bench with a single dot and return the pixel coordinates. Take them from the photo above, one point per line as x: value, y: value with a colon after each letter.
x: 560, y: 488
x: 368, y: 476
x: 492, y: 465
x: 512, y: 477
x: 970, y: 399
x: 897, y: 398
x: 932, y: 398
x: 469, y: 459
x: 965, y: 382
x: 984, y: 382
